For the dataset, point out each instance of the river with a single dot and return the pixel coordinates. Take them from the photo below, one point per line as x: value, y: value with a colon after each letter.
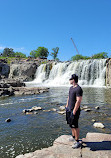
x: 27, y: 133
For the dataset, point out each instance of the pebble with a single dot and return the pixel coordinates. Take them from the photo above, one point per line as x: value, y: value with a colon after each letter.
x: 93, y: 120
x: 8, y: 120
x: 87, y: 110
x: 97, y: 107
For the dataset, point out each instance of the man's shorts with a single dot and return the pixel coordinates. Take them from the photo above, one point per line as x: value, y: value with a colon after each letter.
x: 71, y: 119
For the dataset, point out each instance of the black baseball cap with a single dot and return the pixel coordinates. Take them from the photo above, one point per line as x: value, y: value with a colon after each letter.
x: 74, y: 77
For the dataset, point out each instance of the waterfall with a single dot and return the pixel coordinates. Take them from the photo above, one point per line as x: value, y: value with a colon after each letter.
x: 90, y: 72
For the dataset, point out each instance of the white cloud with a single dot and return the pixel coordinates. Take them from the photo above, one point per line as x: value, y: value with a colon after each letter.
x: 1, y: 48
x: 14, y: 48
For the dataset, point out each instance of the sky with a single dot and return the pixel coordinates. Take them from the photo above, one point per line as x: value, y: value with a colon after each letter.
x: 27, y: 24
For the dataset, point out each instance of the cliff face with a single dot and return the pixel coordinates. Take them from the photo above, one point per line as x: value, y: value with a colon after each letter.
x: 23, y: 71
x: 4, y: 70
x: 108, y: 72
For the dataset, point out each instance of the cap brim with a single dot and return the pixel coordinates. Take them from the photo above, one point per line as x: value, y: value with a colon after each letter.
x: 71, y: 79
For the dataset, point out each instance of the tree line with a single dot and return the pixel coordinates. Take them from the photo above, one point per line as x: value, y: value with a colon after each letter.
x: 42, y: 52
x: 102, y: 55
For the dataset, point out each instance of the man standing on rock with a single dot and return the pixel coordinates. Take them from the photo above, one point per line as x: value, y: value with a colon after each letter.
x: 73, y: 109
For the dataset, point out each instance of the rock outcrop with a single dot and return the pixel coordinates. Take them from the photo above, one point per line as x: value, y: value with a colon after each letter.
x: 29, y: 90
x: 23, y: 71
x: 10, y: 87
x: 108, y: 72
x: 4, y: 70
x: 95, y: 145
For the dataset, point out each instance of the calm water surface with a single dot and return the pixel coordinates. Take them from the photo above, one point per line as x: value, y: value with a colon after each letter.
x: 27, y: 133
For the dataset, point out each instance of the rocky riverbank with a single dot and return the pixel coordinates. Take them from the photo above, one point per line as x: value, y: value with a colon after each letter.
x: 10, y: 87
x: 95, y: 145
x: 108, y: 73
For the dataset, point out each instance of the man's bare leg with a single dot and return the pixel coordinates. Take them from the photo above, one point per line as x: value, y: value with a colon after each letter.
x: 73, y: 131
x: 76, y: 133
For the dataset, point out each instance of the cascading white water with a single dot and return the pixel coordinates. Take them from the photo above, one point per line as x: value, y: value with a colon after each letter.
x: 90, y: 72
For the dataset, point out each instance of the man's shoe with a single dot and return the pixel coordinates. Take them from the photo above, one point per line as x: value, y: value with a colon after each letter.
x: 76, y: 145
x: 71, y: 139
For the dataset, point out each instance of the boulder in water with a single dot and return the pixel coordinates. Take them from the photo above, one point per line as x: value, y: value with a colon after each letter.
x: 61, y: 108
x: 84, y: 107
x: 97, y: 107
x: 87, y: 110
x: 53, y: 109
x: 8, y: 120
x: 61, y: 112
x: 27, y: 110
x: 98, y: 125
x: 35, y: 108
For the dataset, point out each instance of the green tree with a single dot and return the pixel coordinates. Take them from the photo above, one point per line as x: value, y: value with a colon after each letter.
x: 33, y: 54
x: 8, y: 52
x: 57, y: 59
x: 55, y: 53
x: 101, y: 55
x: 40, y: 52
x: 78, y: 57
x: 19, y: 54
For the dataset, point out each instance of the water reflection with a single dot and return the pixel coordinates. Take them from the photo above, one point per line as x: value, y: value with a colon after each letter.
x: 27, y: 133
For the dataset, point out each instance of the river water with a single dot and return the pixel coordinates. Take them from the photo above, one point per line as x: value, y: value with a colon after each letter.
x: 27, y: 133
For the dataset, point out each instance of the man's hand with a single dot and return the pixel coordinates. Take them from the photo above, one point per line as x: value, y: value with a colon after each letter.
x: 66, y: 108
x: 78, y: 102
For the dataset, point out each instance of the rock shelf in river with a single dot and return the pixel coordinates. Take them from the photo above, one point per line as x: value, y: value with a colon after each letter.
x: 17, y: 87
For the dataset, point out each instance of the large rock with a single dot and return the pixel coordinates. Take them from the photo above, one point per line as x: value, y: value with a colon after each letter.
x: 61, y: 108
x: 24, y: 71
x: 4, y: 70
x: 6, y: 91
x: 7, y: 86
x: 108, y: 72
x: 95, y: 145
x: 6, y: 83
x: 98, y: 125
x: 29, y: 90
x: 17, y: 87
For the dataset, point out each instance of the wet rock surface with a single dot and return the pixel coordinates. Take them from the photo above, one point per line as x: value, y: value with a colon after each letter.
x: 29, y: 90
x: 17, y: 87
x: 94, y: 145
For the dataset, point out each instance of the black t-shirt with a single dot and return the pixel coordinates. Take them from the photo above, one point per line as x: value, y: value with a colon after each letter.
x: 73, y: 93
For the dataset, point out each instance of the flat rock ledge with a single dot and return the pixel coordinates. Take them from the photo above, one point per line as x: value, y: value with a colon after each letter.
x: 95, y: 145
x: 29, y: 90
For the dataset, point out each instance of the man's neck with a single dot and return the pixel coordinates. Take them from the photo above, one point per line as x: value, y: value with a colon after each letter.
x: 75, y: 85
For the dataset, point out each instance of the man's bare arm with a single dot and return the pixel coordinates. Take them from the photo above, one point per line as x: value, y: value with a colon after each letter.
x: 78, y: 102
x: 67, y: 102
